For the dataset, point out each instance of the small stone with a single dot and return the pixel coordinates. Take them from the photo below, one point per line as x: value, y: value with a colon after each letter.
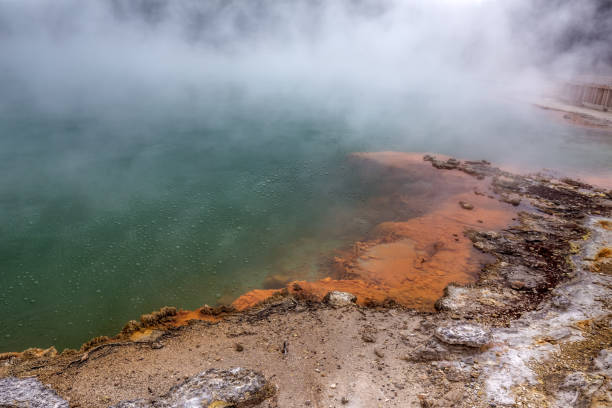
x: 513, y: 199
x: 465, y: 334
x: 518, y: 285
x: 523, y: 278
x: 424, y: 400
x: 454, y: 397
x: 406, y: 334
x: 457, y: 373
x: 332, y: 386
x: 339, y: 299
x: 466, y: 206
x: 561, y: 302
x: 379, y: 353
x: 368, y: 338
x: 430, y: 351
x: 603, y: 361
x: 490, y: 235
x: 239, y: 347
x: 344, y: 400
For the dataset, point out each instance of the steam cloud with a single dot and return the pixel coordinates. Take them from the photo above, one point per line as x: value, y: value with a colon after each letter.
x: 69, y: 54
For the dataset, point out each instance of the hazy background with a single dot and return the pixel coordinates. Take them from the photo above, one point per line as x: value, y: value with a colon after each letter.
x: 110, y: 54
x: 179, y: 152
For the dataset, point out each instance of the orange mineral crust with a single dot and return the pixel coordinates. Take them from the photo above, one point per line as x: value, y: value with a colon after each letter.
x: 149, y: 327
x: 253, y: 297
x: 183, y: 316
x: 411, y: 260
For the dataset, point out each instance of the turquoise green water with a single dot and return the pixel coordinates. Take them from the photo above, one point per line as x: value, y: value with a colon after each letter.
x: 105, y: 216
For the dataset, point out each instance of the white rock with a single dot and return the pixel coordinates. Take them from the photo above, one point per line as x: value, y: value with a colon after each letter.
x: 339, y: 299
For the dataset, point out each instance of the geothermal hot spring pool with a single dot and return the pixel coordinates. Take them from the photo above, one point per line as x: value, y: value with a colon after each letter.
x: 104, y: 217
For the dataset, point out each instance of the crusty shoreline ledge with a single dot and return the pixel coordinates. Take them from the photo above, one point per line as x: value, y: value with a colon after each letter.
x: 533, y: 330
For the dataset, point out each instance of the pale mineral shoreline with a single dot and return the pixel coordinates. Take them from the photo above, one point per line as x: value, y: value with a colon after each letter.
x: 533, y: 329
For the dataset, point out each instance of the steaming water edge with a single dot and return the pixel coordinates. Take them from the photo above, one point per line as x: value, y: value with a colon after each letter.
x: 108, y: 216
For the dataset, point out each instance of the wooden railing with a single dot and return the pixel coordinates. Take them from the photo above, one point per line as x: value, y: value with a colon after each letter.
x: 588, y: 94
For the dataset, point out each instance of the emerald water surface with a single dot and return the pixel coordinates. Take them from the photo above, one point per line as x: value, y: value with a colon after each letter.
x: 106, y: 217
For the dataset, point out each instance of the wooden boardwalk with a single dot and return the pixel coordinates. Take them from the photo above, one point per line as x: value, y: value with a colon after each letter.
x: 594, y: 93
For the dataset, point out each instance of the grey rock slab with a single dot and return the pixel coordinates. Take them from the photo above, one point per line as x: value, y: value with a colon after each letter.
x: 239, y: 386
x: 465, y: 334
x: 28, y: 393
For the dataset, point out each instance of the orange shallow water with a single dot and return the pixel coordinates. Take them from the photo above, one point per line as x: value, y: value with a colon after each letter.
x: 410, y: 260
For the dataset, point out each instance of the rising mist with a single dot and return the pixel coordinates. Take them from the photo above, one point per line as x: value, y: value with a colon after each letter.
x: 179, y: 152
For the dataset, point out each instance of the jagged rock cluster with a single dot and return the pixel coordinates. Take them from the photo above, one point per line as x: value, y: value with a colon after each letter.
x: 533, y: 256
x: 547, y: 296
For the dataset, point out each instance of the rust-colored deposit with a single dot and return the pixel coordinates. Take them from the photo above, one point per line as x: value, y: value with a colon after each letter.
x: 165, y: 317
x: 203, y: 313
x: 411, y: 260
x: 253, y: 297
x: 603, y: 261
